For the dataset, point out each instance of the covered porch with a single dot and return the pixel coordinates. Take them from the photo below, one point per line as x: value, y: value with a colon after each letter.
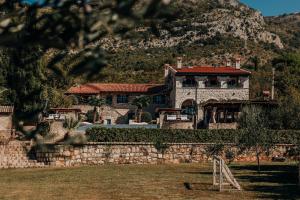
x: 222, y: 115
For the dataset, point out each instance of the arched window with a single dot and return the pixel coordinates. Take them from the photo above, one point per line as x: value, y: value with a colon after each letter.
x: 189, y: 107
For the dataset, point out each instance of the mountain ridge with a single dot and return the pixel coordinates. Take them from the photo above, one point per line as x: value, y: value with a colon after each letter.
x: 206, y: 32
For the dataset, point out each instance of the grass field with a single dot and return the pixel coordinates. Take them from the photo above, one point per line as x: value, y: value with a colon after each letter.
x: 185, y: 181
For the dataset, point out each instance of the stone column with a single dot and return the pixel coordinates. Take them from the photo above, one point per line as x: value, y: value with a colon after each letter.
x: 200, y: 113
x: 214, y: 112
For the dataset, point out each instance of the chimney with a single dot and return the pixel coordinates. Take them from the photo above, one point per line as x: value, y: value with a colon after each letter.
x: 179, y: 62
x: 228, y: 63
x: 167, y: 66
x: 238, y: 63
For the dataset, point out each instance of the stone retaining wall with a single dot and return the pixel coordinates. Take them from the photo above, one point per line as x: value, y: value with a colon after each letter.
x: 21, y: 155
x: 137, y: 153
x: 17, y: 154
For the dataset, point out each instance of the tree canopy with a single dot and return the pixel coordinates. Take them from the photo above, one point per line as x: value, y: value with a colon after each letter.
x: 36, y: 39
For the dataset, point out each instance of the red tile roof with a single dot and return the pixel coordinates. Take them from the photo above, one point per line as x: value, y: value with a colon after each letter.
x: 211, y: 70
x: 66, y: 109
x: 96, y: 88
x: 6, y: 109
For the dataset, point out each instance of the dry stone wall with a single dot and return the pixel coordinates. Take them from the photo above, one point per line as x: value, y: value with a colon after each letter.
x: 17, y: 154
x: 22, y: 155
x: 137, y: 153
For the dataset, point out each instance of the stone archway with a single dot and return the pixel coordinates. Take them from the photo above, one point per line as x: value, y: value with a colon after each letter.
x: 189, y: 107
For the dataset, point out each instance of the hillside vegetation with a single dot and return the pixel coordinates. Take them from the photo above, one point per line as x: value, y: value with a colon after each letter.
x: 205, y: 32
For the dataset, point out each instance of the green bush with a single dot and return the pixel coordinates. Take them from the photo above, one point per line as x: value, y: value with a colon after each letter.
x: 98, y: 134
x: 146, y: 117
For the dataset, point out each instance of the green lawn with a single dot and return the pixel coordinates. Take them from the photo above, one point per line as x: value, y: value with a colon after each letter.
x: 185, y: 181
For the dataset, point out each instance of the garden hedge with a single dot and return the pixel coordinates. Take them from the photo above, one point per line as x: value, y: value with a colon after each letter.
x: 98, y: 134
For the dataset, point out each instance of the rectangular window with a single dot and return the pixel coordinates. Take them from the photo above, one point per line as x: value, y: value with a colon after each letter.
x: 122, y: 99
x: 159, y: 99
x: 213, y: 82
x: 189, y: 81
x: 109, y: 100
x: 234, y: 82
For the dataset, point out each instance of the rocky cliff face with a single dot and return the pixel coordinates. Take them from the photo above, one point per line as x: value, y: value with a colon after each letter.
x: 287, y: 27
x: 205, y: 32
x: 202, y: 20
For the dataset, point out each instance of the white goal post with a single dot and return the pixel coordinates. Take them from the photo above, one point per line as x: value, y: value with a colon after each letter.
x: 222, y: 175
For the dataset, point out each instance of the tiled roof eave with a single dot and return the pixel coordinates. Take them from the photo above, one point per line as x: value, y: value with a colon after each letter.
x: 94, y: 89
x: 105, y: 92
x: 81, y: 93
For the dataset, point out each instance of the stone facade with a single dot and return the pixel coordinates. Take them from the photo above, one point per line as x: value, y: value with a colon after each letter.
x: 22, y: 155
x: 193, y: 89
x: 178, y: 125
x: 113, y: 116
x: 5, y: 121
x: 215, y: 126
x: 120, y: 113
x: 203, y: 95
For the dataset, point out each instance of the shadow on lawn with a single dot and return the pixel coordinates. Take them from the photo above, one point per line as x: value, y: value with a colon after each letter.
x: 285, y: 178
x: 274, y: 181
x: 199, y: 186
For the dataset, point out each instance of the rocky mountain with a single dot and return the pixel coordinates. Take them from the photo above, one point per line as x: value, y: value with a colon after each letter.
x: 201, y: 20
x: 204, y: 32
x: 287, y: 27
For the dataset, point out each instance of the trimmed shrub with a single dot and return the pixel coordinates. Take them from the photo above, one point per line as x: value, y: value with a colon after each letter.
x: 99, y: 134
x: 146, y: 117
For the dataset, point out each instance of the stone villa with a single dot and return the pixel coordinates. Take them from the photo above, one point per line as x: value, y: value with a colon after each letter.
x: 192, y: 96
x: 119, y: 98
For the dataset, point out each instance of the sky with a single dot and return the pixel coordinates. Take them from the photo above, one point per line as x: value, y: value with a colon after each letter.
x: 267, y: 7
x: 274, y: 7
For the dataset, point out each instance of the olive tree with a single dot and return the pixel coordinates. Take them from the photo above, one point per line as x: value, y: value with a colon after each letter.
x: 57, y: 30
x: 254, y: 134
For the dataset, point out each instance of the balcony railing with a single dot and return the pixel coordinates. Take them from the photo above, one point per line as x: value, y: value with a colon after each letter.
x: 58, y: 117
x: 178, y: 118
x: 235, y: 86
